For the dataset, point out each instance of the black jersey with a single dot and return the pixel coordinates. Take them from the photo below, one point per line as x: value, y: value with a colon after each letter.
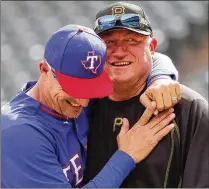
x: 179, y: 160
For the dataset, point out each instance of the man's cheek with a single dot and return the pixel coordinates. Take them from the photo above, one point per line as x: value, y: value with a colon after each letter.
x: 148, y: 56
x: 106, y: 68
x: 109, y: 72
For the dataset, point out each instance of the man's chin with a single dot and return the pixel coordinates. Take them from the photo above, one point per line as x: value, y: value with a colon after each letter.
x: 120, y: 80
x: 73, y: 115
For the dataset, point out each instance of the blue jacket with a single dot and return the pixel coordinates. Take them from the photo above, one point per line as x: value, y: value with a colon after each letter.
x: 40, y: 148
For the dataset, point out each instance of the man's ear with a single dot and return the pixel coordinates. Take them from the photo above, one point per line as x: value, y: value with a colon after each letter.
x: 153, y: 45
x: 43, y: 67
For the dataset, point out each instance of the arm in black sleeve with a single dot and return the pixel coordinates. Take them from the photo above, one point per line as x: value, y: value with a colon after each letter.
x: 196, y: 169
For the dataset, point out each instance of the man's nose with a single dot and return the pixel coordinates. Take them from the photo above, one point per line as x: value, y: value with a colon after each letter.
x: 119, y: 52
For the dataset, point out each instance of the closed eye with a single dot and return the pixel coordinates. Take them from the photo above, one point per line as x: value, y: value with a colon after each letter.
x: 68, y: 101
x: 109, y: 42
x: 131, y: 40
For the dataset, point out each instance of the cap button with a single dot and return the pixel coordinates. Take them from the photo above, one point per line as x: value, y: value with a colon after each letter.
x: 80, y: 30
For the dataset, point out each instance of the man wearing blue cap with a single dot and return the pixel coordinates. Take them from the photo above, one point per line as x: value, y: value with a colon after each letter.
x: 45, y: 126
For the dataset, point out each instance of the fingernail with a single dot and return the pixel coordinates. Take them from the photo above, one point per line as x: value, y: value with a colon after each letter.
x: 172, y: 115
x: 171, y: 110
x: 172, y: 125
x: 153, y: 104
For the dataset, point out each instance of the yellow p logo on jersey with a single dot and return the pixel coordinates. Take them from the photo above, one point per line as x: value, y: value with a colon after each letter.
x: 118, y: 122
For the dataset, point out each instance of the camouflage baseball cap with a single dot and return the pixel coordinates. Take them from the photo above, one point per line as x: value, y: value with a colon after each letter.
x: 122, y: 15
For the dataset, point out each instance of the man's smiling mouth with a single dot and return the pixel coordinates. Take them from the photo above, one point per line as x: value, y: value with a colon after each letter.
x: 120, y: 63
x: 73, y: 104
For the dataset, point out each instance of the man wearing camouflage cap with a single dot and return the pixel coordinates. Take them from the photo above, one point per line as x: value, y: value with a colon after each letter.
x: 181, y: 158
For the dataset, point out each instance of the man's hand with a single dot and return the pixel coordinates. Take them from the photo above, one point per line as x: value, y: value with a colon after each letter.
x: 141, y: 139
x: 165, y: 92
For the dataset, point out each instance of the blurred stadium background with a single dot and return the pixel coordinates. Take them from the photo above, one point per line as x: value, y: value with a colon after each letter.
x: 181, y: 28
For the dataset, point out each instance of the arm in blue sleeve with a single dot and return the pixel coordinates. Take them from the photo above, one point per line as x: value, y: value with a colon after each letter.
x: 29, y: 161
x: 163, y: 67
x: 114, y: 172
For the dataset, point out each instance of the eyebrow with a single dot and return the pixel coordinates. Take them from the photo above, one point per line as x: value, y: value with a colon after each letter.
x: 130, y: 32
x: 106, y: 34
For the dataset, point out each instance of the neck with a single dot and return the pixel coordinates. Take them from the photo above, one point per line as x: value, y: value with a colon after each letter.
x: 34, y: 92
x: 127, y: 90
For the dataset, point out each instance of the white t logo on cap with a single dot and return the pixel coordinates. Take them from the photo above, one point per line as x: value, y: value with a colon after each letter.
x: 92, y: 62
x: 92, y: 59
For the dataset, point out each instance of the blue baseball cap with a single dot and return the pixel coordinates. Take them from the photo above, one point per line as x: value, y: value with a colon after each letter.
x: 77, y: 57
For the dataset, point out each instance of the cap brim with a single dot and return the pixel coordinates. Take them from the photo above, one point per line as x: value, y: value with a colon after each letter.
x: 86, y: 88
x: 123, y: 27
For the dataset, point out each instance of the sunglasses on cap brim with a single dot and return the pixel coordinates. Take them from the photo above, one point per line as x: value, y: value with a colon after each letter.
x: 133, y: 21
